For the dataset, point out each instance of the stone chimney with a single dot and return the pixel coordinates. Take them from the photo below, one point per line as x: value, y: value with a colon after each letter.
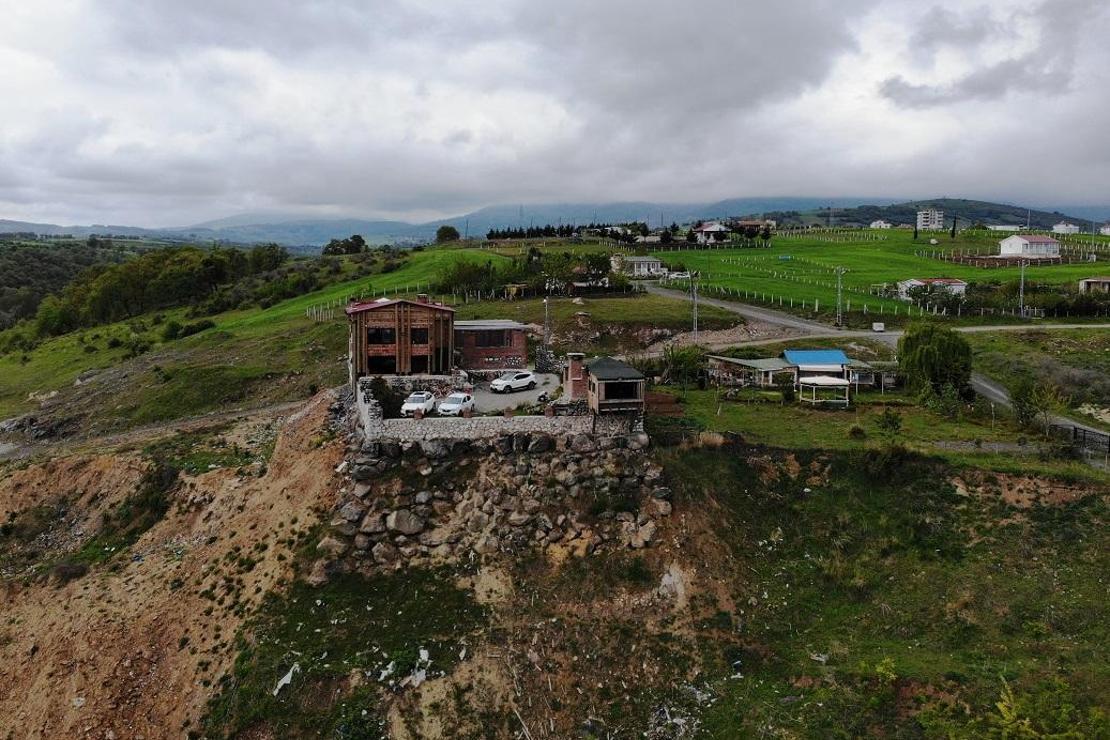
x: 575, y: 381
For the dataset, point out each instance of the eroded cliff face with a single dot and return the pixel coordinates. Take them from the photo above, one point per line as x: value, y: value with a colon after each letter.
x: 102, y: 644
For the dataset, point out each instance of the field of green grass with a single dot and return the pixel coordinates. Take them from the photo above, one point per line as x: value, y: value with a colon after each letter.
x: 1076, y: 361
x: 803, y: 268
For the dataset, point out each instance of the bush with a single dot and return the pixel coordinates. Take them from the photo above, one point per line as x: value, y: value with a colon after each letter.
x: 114, y: 342
x: 171, y: 331
x: 856, y: 432
x: 196, y: 327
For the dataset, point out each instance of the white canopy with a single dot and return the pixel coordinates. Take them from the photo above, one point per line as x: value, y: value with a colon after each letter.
x: 825, y: 381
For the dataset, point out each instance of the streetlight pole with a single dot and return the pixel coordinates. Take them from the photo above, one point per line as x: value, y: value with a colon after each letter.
x: 839, y: 295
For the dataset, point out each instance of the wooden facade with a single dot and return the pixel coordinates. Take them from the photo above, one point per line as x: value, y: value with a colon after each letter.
x: 400, y: 337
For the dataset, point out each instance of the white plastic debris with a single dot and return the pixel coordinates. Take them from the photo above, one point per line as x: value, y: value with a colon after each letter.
x: 387, y: 671
x: 287, y: 678
x: 821, y: 658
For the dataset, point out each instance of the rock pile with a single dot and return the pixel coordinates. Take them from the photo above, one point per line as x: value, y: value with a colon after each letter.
x: 443, y: 500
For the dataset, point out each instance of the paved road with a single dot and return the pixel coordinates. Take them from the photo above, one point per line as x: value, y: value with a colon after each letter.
x: 982, y: 385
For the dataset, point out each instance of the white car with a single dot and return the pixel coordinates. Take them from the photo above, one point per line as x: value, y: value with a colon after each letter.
x: 679, y: 276
x: 515, y: 380
x: 420, y: 400
x: 455, y: 404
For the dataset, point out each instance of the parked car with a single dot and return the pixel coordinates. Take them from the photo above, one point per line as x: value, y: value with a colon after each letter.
x: 878, y: 326
x: 515, y: 380
x: 455, y: 404
x: 420, y: 400
x: 679, y: 276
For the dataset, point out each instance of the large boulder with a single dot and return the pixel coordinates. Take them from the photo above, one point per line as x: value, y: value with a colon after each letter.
x: 352, y: 511
x: 582, y: 443
x: 541, y: 443
x: 404, y: 521
x: 435, y: 449
x: 372, y: 523
x: 385, y: 553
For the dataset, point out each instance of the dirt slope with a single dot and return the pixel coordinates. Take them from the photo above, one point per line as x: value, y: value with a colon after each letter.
x: 127, y: 650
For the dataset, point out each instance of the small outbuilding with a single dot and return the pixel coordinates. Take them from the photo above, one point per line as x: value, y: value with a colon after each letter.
x: 1094, y: 285
x: 954, y: 286
x: 636, y: 265
x: 763, y: 372
x: 813, y: 363
x: 614, y: 386
x: 712, y: 232
x: 491, y: 344
x: 1031, y: 246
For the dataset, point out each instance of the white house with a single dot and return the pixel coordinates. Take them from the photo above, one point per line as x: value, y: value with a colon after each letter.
x: 1004, y: 227
x: 636, y: 266
x: 712, y: 232
x: 880, y: 224
x: 930, y: 219
x: 948, y: 285
x: 1105, y: 230
x: 1034, y: 246
x: 1065, y: 228
x: 1094, y: 285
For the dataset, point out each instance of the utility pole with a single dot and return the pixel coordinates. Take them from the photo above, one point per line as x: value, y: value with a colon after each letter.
x: 839, y: 295
x: 466, y: 230
x: 1021, y: 291
x: 694, y: 296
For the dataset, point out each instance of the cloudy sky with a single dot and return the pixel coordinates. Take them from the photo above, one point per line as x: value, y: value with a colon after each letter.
x: 165, y: 112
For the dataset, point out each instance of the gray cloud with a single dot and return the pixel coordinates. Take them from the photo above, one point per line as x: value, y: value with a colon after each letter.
x: 1048, y: 68
x: 167, y: 112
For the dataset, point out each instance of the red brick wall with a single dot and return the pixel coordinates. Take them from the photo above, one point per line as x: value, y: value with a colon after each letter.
x: 472, y: 357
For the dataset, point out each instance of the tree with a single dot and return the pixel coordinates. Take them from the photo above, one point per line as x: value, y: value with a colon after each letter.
x: 890, y: 423
x: 934, y: 356
x: 446, y: 233
x: 1021, y: 400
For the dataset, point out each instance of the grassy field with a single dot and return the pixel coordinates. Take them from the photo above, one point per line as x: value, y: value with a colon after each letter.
x: 1076, y: 361
x: 981, y: 442
x: 803, y: 269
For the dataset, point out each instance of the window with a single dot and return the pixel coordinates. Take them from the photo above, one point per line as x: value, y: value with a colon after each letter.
x: 376, y: 335
x: 418, y: 336
x: 622, y: 391
x: 491, y: 338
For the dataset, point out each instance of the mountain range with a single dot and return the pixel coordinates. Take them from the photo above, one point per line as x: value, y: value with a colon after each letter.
x: 298, y: 230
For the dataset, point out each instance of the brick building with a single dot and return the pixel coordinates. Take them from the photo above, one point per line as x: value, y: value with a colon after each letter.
x: 491, y: 344
x: 400, y: 337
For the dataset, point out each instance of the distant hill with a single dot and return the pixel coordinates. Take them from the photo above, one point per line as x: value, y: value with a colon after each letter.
x: 968, y: 211
x: 299, y: 231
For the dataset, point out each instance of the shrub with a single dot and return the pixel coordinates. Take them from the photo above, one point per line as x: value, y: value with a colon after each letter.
x: 171, y: 331
x: 856, y: 432
x: 196, y: 327
x: 114, y: 342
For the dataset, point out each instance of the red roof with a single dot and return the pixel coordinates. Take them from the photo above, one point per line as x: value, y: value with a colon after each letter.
x: 384, y: 302
x: 943, y: 281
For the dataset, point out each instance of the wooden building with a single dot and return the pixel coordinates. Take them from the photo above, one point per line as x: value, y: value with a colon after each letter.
x: 614, y: 386
x: 400, y: 337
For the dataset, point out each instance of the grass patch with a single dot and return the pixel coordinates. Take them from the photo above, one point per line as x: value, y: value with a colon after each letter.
x: 883, y: 605
x: 353, y: 624
x: 202, y: 450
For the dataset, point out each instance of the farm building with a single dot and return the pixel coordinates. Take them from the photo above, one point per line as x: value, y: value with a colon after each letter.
x: 1065, y: 228
x: 954, y: 286
x: 636, y: 266
x: 491, y: 344
x: 1033, y: 246
x: 399, y: 337
x: 880, y: 224
x: 614, y: 386
x: 712, y: 232
x: 1105, y: 230
x: 930, y: 219
x: 1004, y: 227
x: 811, y: 363
x: 1094, y: 285
x: 763, y: 372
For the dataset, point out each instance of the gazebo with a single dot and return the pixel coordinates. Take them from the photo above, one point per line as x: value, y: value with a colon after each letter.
x: 826, y: 383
